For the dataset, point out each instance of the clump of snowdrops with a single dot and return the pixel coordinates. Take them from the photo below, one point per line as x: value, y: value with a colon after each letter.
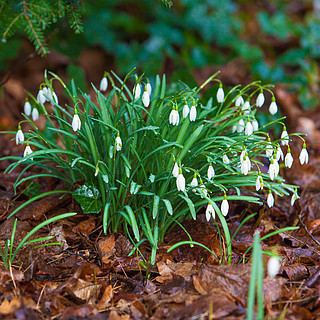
x: 150, y: 156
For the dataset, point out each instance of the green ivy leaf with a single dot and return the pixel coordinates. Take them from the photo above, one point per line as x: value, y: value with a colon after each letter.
x: 89, y: 199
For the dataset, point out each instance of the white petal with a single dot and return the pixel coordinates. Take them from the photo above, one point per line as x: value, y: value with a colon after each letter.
x: 258, y: 185
x: 118, y: 143
x: 273, y: 109
x: 76, y: 123
x: 210, y: 172
x: 220, y: 95
x: 239, y: 101
x: 185, y: 111
x: 260, y: 100
x: 35, y: 114
x: 284, y: 138
x: 193, y: 113
x: 104, y: 84
x: 240, y: 126
x: 249, y: 129
x: 225, y: 159
x: 288, y: 160
x: 137, y: 91
x: 149, y: 88
x: 224, y: 207
x: 171, y: 117
x: 146, y: 98
x: 304, y: 156
x: 255, y: 125
x: 181, y: 182
x: 175, y: 171
x: 270, y: 200
x: 246, y: 107
x: 210, y: 212
x: 19, y: 136
x: 27, y: 108
x: 273, y: 266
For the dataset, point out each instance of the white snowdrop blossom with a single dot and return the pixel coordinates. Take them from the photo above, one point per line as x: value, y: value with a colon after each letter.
x: 76, y: 122
x: 225, y: 159
x: 225, y: 206
x: 260, y: 100
x: 19, y: 135
x: 272, y: 169
x: 273, y: 109
x: 35, y: 114
x: 145, y: 97
x: 104, y: 84
x: 210, y: 212
x: 249, y: 129
x: 149, y: 89
x: 118, y: 142
x: 246, y: 108
x: 294, y: 197
x: 288, y: 160
x: 27, y: 108
x: 270, y: 199
x: 152, y: 177
x: 273, y: 266
x: 41, y: 99
x: 193, y: 112
x: 97, y: 171
x: 242, y: 154
x: 174, y: 116
x: 194, y: 182
x: 304, y: 156
x: 240, y: 126
x: 203, y: 189
x: 111, y: 148
x: 284, y: 136
x: 245, y: 165
x: 255, y: 125
x: 137, y: 91
x: 175, y: 171
x: 279, y: 153
x: 276, y: 165
x: 269, y: 149
x: 27, y: 151
x: 220, y: 94
x: 239, y: 101
x: 210, y: 172
x: 259, y: 182
x: 181, y: 181
x: 185, y: 110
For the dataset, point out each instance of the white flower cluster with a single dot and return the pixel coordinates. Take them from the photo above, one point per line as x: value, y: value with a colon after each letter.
x: 146, y: 93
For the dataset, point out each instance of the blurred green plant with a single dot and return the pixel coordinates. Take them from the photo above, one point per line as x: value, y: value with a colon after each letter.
x: 149, y: 158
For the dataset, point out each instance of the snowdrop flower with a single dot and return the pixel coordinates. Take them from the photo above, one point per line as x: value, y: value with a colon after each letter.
x: 259, y: 182
x: 104, y: 83
x: 134, y: 187
x: 118, y: 142
x: 272, y: 169
x: 246, y: 107
x: 210, y: 172
x: 210, y: 212
x: 149, y: 89
x: 279, y: 153
x: 273, y: 109
x: 193, y: 111
x: 224, y: 206
x: 225, y: 159
x: 288, y: 160
x: 174, y: 116
x: 194, y: 182
x: 245, y: 165
x: 284, y: 136
x: 260, y: 99
x: 175, y: 171
x: 137, y: 91
x: 152, y: 177
x: 276, y: 165
x: 255, y: 125
x: 242, y: 154
x: 304, y: 156
x: 270, y: 199
x: 273, y: 266
x: 35, y: 114
x: 181, y: 181
x: 145, y: 97
x: 269, y: 149
x: 27, y: 151
x: 240, y: 126
x: 203, y: 189
x: 220, y: 94
x: 76, y: 122
x: 111, y: 148
x: 294, y: 197
x: 185, y: 111
x: 249, y: 128
x: 41, y: 99
x: 19, y: 135
x: 97, y: 171
x: 239, y: 101
x: 27, y: 108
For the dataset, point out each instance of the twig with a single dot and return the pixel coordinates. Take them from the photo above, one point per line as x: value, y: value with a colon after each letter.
x: 308, y: 232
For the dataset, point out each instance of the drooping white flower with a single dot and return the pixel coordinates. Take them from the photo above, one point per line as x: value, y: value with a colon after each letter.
x: 137, y: 91
x: 284, y: 136
x: 242, y: 155
x: 96, y: 171
x: 276, y: 165
x: 255, y: 125
x: 273, y: 266
x: 181, y: 181
x: 225, y: 206
x: 220, y: 94
x: 19, y: 135
x: 185, y: 111
x: 259, y: 182
x: 134, y: 187
x: 27, y: 151
x: 260, y: 100
x: 35, y: 114
x: 210, y: 212
x: 176, y: 116
x: 279, y: 153
x: 246, y: 108
x: 249, y: 129
x: 104, y: 84
x: 288, y: 160
x: 118, y: 142
x: 76, y: 122
x: 152, y: 177
x: 47, y: 93
x: 194, y: 182
x: 270, y: 199
x: 272, y: 169
x: 41, y: 99
x: 245, y: 165
x: 172, y: 116
x: 27, y: 108
x: 304, y: 156
x: 210, y: 172
x: 149, y: 89
x: 273, y: 109
x: 175, y: 171
x: 240, y: 125
x: 193, y: 112
x: 239, y: 101
x: 294, y: 197
x: 145, y: 97
x: 225, y: 159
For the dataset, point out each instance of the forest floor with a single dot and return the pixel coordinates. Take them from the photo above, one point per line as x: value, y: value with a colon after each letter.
x: 91, y: 276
